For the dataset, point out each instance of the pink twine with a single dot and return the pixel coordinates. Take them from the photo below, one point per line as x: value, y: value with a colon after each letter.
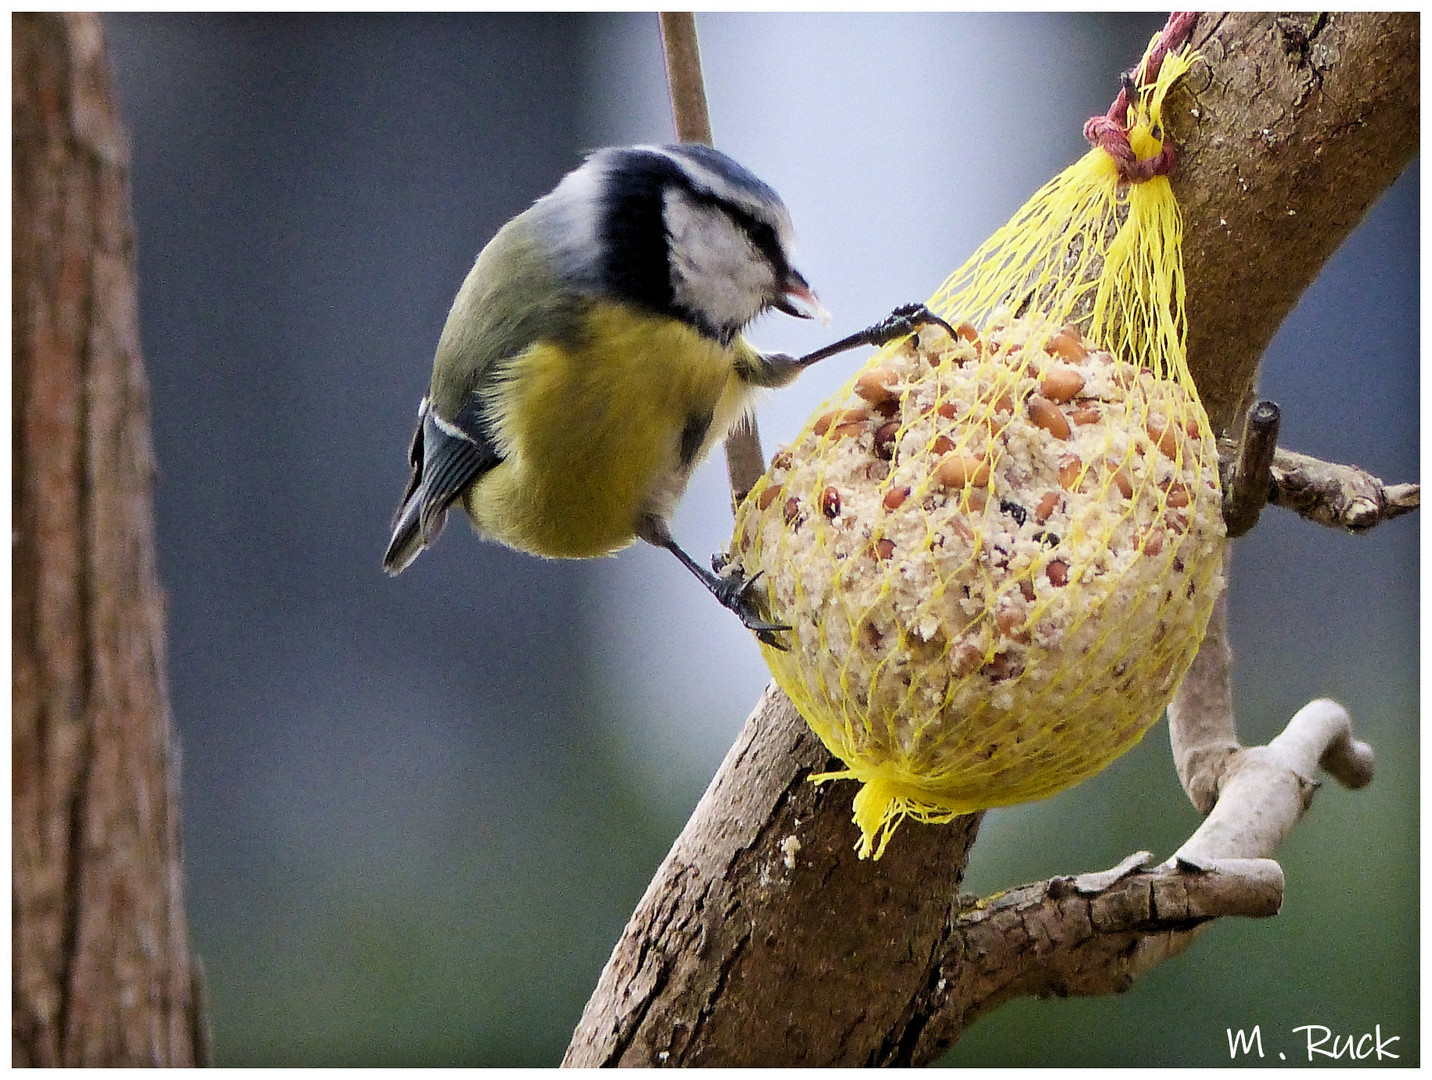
x: 1108, y: 131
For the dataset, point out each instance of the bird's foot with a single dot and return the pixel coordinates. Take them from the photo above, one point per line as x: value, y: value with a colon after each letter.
x: 736, y: 592
x: 905, y: 320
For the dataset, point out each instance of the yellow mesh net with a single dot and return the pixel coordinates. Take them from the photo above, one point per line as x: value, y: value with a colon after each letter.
x: 998, y: 551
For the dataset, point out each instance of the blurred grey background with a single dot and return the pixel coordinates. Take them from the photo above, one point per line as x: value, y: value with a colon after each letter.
x: 417, y: 812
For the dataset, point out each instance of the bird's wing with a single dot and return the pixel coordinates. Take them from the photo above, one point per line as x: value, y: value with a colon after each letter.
x: 447, y: 456
x: 511, y: 299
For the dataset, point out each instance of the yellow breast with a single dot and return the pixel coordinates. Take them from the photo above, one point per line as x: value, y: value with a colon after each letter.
x: 591, y: 432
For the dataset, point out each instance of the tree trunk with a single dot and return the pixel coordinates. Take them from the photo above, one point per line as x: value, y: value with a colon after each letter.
x: 763, y: 940
x: 101, y: 971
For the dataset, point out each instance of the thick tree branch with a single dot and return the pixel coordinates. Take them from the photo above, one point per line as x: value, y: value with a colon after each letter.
x: 101, y: 972
x: 762, y: 939
x: 1286, y: 138
x: 691, y: 979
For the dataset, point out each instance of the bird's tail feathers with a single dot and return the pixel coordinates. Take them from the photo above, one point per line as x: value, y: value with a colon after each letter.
x: 447, y: 458
x: 416, y: 526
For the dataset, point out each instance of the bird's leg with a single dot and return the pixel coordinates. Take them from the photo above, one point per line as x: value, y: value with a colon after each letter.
x: 899, y: 323
x: 777, y: 369
x: 732, y: 590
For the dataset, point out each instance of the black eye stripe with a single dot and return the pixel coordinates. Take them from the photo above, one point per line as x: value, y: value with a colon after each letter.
x: 761, y: 234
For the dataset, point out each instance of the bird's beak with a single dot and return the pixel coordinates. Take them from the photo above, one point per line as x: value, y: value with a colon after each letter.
x: 797, y: 299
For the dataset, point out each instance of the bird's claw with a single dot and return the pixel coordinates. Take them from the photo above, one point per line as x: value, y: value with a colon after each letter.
x: 734, y: 591
x: 906, y: 319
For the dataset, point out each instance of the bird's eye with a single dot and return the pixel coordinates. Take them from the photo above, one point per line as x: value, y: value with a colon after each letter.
x: 764, y: 237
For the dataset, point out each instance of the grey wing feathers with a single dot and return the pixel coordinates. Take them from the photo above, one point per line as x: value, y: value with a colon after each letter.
x: 446, y: 458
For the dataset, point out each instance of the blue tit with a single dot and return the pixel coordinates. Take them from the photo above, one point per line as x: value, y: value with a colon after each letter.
x: 594, y: 356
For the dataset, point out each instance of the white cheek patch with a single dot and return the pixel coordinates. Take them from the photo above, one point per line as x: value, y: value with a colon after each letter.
x: 766, y: 208
x: 716, y: 271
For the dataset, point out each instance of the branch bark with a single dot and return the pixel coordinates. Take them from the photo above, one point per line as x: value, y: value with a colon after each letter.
x: 762, y: 939
x: 101, y: 971
x: 1299, y: 123
x: 1339, y: 495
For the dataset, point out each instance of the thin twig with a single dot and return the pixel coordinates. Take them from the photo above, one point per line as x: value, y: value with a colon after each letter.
x: 745, y: 461
x: 683, y: 77
x: 1098, y: 933
x: 1264, y: 790
x: 1343, y: 496
x: 1339, y: 495
x: 1252, y: 478
x: 1252, y: 795
x: 1200, y: 717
